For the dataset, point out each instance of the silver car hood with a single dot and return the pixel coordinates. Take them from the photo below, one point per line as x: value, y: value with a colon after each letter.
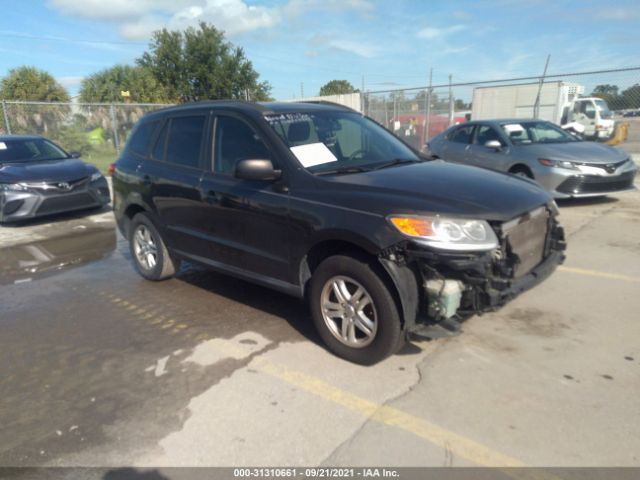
x: 587, y: 152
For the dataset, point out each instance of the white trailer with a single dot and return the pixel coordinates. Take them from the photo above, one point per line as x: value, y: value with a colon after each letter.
x: 559, y: 102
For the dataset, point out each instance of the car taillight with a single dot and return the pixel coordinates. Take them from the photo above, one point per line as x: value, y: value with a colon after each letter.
x: 112, y: 168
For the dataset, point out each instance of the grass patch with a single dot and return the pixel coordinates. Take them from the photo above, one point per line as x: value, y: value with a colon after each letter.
x: 101, y: 157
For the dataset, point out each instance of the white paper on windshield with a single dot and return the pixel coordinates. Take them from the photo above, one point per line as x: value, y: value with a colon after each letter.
x: 3, y: 146
x: 313, y: 154
x: 513, y: 127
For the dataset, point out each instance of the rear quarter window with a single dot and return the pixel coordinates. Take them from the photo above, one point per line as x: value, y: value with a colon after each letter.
x: 140, y: 140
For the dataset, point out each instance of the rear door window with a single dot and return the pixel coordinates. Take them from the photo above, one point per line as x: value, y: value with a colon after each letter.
x: 184, y: 141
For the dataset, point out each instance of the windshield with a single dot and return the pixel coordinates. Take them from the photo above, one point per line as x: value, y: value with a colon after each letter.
x: 31, y: 150
x: 605, y: 113
x: 529, y: 133
x: 327, y: 141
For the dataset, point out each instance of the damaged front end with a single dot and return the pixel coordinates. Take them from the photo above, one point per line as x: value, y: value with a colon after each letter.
x: 439, y: 289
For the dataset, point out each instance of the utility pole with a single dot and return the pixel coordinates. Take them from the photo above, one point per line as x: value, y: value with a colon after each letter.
x: 450, y: 102
x: 362, y: 98
x: 428, y: 106
x: 301, y: 89
x: 6, y: 117
x: 536, y: 106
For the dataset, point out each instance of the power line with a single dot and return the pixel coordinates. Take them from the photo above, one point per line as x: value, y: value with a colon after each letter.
x: 517, y: 79
x: 65, y: 39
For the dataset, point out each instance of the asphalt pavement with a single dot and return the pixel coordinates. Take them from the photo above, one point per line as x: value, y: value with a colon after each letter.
x: 102, y: 368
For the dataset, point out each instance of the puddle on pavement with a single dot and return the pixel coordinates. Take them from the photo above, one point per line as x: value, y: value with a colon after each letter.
x: 31, y: 261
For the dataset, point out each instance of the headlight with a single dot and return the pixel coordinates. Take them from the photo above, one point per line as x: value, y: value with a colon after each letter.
x: 96, y: 176
x: 557, y: 163
x: 446, y: 233
x: 13, y: 187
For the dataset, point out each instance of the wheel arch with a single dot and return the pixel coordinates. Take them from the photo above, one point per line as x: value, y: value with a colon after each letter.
x: 399, y: 280
x: 520, y: 167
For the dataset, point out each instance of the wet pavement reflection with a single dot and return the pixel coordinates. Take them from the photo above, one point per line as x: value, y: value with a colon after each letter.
x: 30, y: 261
x: 94, y: 357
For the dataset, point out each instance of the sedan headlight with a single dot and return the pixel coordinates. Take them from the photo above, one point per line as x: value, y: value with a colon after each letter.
x: 446, y: 233
x: 13, y: 187
x: 557, y: 163
x: 96, y: 176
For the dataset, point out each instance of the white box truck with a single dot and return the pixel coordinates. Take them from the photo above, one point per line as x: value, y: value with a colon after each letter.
x: 560, y: 103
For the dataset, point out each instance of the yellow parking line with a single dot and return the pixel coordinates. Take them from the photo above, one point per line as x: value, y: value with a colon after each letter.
x: 595, y: 273
x: 462, y: 446
x: 459, y: 445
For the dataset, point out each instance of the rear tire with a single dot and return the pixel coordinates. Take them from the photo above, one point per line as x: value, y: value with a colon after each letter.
x: 354, y: 311
x: 150, y: 255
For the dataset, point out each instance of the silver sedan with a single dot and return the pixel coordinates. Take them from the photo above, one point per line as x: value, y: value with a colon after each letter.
x: 563, y: 164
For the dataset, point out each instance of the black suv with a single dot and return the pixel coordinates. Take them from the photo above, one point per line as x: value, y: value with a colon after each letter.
x: 319, y: 201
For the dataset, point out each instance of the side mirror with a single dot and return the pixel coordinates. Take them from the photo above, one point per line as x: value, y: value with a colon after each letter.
x: 494, y: 144
x: 256, y: 169
x: 74, y: 154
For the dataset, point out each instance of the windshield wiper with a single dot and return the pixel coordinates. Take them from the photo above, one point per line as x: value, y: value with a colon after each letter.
x: 397, y: 161
x: 351, y: 169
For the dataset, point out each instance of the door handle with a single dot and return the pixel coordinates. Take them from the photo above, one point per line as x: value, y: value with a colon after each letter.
x: 146, y: 180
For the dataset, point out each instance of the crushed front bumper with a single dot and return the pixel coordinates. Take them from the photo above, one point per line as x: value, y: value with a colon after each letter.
x: 489, y: 279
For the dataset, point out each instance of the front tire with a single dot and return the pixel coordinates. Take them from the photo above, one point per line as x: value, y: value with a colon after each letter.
x: 354, y: 311
x: 150, y: 255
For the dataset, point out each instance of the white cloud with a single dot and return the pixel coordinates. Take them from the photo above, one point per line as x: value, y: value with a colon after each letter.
x: 113, y: 9
x: 358, y: 48
x: 232, y: 16
x: 142, y: 28
x: 137, y: 19
x: 433, y: 32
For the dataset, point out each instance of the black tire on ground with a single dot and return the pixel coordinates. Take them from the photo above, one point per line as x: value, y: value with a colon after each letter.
x: 389, y: 336
x: 164, y: 267
x: 521, y: 171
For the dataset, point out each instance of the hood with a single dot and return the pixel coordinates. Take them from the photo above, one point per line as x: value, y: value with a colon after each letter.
x: 47, y: 171
x: 586, y: 152
x: 438, y: 187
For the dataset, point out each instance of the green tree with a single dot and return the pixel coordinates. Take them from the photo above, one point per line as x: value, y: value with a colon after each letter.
x: 337, y: 87
x: 199, y: 64
x: 631, y: 97
x: 106, y: 85
x: 605, y: 89
x: 30, y: 83
x: 609, y: 93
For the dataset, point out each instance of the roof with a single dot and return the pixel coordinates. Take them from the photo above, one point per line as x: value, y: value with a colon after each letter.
x: 263, y: 108
x: 4, y: 138
x: 501, y: 121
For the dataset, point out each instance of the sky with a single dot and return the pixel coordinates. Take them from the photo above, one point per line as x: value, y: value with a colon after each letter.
x: 299, y: 45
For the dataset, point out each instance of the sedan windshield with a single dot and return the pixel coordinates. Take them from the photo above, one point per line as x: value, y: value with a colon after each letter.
x: 529, y: 133
x: 29, y: 150
x: 339, y: 142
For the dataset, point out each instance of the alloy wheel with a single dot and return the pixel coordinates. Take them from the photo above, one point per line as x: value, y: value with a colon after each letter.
x: 348, y: 311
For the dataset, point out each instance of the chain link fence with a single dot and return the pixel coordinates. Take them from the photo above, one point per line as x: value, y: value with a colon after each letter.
x: 99, y: 130
x: 96, y: 130
x: 418, y: 114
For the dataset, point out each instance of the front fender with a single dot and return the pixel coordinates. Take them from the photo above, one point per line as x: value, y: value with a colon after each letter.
x: 407, y: 287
